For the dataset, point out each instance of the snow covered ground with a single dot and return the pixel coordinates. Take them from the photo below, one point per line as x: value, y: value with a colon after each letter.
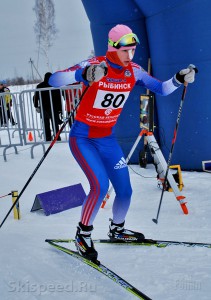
x: 31, y: 269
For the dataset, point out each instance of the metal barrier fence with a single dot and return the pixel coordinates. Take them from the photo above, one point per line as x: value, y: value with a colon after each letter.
x: 10, y: 125
x: 24, y: 124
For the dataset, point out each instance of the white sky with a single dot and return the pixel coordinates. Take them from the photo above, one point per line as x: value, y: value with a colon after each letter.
x: 18, y: 40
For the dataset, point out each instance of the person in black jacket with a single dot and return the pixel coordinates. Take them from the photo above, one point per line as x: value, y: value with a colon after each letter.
x: 3, y: 121
x: 49, y: 112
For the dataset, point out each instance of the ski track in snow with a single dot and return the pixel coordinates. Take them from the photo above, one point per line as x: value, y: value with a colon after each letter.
x: 31, y: 269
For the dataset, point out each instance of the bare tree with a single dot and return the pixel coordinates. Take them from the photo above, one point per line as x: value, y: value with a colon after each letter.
x: 45, y: 28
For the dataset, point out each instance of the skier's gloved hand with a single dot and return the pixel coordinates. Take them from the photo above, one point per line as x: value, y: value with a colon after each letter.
x: 38, y: 109
x: 186, y: 75
x: 95, y: 72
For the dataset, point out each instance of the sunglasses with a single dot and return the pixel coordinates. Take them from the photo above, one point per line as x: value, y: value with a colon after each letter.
x: 126, y: 40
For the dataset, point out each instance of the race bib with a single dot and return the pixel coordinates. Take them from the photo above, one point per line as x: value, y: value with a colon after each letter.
x: 112, y: 100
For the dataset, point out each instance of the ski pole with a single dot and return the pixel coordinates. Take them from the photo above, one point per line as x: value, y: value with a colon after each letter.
x: 44, y: 156
x: 5, y: 195
x: 184, y: 208
x: 171, y: 150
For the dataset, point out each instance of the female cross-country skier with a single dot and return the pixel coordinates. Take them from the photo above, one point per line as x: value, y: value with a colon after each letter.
x: 92, y: 140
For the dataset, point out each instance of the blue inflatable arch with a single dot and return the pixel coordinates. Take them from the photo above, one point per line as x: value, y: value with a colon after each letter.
x: 173, y: 33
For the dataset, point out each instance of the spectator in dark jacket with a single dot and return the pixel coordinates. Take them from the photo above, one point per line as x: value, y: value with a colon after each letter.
x: 5, y: 105
x: 3, y: 121
x: 49, y: 112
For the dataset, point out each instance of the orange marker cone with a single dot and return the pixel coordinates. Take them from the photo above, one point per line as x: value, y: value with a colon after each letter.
x: 30, y: 136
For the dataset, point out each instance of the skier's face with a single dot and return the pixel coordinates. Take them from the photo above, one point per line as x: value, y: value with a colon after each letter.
x: 125, y: 56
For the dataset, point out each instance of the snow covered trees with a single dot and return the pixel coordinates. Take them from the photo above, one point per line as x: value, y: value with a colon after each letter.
x: 45, y: 28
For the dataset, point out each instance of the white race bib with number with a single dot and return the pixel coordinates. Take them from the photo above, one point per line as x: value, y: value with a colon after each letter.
x: 112, y: 100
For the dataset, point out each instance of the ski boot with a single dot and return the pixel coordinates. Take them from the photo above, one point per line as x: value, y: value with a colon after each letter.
x: 84, y: 243
x: 117, y: 232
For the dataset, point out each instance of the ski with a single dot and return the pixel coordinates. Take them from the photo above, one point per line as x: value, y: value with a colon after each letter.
x: 157, y: 243
x: 145, y: 242
x: 100, y: 268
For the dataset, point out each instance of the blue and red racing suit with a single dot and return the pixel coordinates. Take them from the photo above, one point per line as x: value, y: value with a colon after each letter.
x: 92, y: 139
